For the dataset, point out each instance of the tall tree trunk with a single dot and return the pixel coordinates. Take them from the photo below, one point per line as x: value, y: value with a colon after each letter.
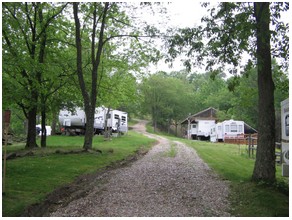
x: 44, y: 130
x: 41, y: 60
x: 31, y: 132
x: 89, y: 96
x: 265, y: 159
x: 89, y: 129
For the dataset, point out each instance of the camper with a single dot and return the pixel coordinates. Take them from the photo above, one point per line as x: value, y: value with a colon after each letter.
x: 216, y: 132
x: 48, y: 130
x: 199, y: 124
x: 285, y: 136
x: 200, y: 130
x: 117, y: 121
x: 99, y: 119
x: 124, y: 122
x: 229, y: 129
x: 75, y: 121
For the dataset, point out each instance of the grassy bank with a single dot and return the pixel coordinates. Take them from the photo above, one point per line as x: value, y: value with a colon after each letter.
x: 29, y: 179
x: 247, y: 198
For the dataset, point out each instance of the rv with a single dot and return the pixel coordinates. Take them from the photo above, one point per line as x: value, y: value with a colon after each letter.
x: 48, y: 130
x: 75, y: 121
x: 117, y: 121
x: 201, y: 129
x: 99, y: 119
x: 228, y: 129
x: 285, y: 136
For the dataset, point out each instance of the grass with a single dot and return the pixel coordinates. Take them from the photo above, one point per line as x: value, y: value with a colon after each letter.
x: 30, y: 179
x: 172, y: 151
x: 248, y: 199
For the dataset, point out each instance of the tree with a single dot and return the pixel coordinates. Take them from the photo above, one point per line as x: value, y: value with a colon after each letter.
x: 25, y: 32
x: 166, y: 98
x: 231, y: 30
x: 108, y: 22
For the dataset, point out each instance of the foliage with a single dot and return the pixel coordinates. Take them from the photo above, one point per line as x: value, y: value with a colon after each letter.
x: 32, y: 70
x: 226, y: 35
x: 166, y: 98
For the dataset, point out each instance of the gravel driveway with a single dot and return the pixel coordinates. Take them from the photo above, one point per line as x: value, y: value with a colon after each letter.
x: 170, y: 180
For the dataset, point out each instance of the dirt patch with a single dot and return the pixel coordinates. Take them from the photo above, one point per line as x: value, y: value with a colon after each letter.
x: 62, y: 196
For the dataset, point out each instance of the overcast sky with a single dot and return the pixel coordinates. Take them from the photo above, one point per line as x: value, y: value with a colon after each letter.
x: 181, y: 14
x: 185, y: 13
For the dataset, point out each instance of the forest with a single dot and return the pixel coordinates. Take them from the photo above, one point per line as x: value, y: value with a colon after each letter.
x: 170, y: 97
x: 61, y: 55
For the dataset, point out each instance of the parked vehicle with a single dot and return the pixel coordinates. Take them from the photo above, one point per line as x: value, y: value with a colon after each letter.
x: 39, y: 130
x: 117, y: 121
x: 74, y: 122
x: 285, y: 136
x: 200, y: 130
x: 229, y: 129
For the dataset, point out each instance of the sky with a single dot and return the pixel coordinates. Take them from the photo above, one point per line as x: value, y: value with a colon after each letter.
x: 181, y: 14
x: 188, y: 14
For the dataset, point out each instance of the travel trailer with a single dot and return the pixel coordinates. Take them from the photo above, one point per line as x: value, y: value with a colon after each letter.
x: 229, y: 129
x: 198, y: 126
x: 48, y: 130
x: 99, y: 119
x: 75, y: 121
x: 285, y: 137
x: 117, y: 121
x: 72, y: 119
x: 201, y: 129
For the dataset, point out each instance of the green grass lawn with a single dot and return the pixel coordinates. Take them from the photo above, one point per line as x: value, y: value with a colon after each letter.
x: 247, y: 198
x: 30, y: 179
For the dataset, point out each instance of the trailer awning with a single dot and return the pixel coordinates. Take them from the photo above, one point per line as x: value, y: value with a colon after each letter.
x: 249, y: 130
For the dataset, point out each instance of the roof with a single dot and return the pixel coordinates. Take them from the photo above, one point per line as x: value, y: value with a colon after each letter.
x: 248, y: 129
x: 207, y: 114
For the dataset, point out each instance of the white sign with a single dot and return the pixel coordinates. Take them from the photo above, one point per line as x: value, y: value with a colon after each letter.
x: 285, y: 119
x: 285, y: 136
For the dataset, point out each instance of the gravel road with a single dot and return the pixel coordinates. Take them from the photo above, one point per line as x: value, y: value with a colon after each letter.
x: 170, y: 180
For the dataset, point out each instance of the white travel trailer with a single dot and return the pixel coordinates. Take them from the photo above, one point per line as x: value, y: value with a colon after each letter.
x: 201, y: 129
x: 99, y: 119
x: 124, y: 122
x: 285, y: 136
x: 117, y: 121
x: 228, y: 129
x: 48, y: 130
x: 75, y: 121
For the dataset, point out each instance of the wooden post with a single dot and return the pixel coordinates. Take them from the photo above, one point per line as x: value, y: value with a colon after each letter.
x: 249, y: 144
x: 189, y: 129
x: 7, y: 115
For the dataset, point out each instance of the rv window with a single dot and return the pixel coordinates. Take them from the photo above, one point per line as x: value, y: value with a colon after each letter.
x: 116, y: 116
x: 123, y: 118
x: 109, y: 115
x: 226, y: 128
x: 240, y: 128
x: 233, y: 128
x: 194, y: 126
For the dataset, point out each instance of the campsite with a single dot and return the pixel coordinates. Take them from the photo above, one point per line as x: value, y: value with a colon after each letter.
x: 125, y: 109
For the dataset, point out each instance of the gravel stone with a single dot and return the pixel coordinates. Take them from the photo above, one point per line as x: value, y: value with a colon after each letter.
x: 157, y: 185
